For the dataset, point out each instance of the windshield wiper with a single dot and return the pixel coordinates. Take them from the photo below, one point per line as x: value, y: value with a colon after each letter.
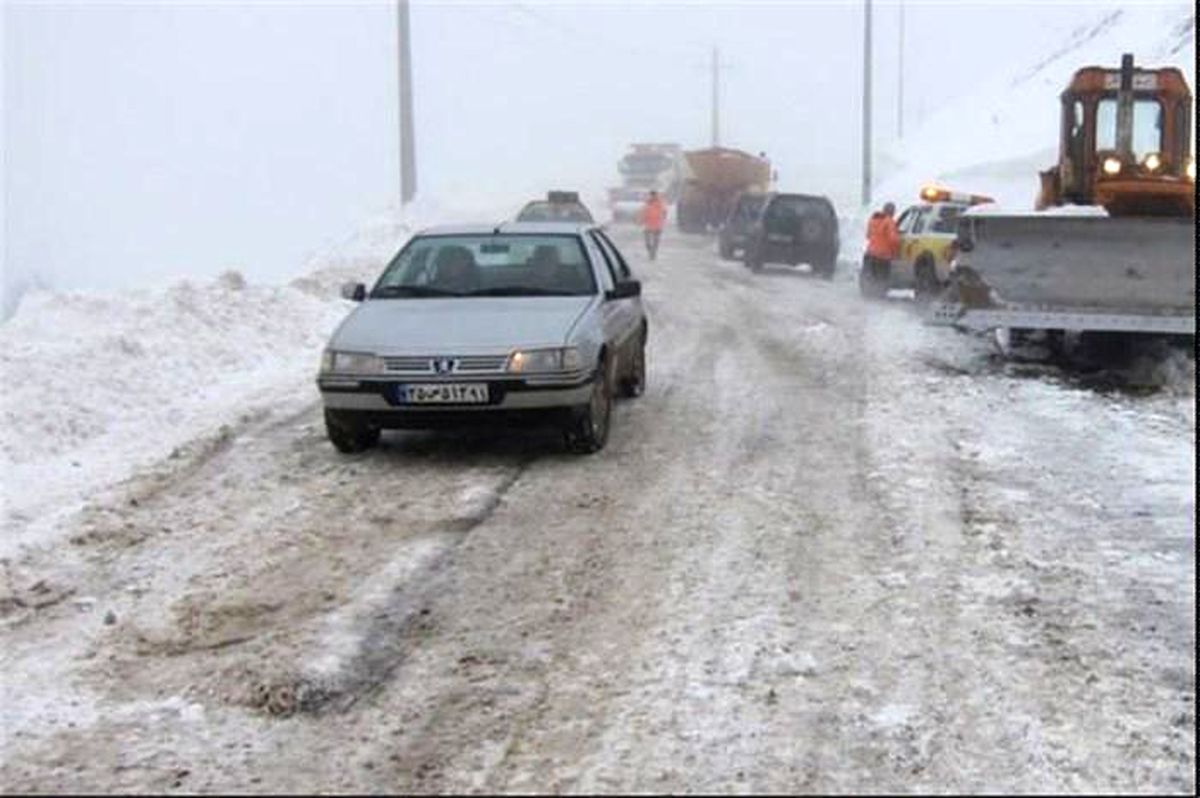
x: 520, y: 290
x: 409, y: 291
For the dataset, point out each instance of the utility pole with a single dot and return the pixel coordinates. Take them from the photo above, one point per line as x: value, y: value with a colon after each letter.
x: 716, y: 97
x: 900, y: 80
x: 408, y: 158
x: 866, y: 141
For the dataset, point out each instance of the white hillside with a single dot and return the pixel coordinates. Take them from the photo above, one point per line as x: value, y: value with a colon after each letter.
x: 995, y: 140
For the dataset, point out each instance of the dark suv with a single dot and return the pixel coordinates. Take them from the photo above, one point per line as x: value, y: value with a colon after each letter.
x: 731, y: 239
x: 794, y: 229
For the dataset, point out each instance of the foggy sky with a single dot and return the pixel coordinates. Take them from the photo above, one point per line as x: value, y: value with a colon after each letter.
x: 147, y: 141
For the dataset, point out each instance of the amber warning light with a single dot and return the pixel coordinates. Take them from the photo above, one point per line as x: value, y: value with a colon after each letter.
x: 938, y: 194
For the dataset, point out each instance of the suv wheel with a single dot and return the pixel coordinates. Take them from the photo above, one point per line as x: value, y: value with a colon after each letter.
x: 588, y: 430
x: 752, y: 258
x: 347, y: 435
x: 633, y: 384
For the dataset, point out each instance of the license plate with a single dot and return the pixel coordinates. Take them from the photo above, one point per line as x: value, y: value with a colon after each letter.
x: 779, y: 238
x: 443, y: 394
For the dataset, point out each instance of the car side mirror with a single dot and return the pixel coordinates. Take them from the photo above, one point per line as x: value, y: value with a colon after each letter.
x: 355, y: 292
x: 626, y: 289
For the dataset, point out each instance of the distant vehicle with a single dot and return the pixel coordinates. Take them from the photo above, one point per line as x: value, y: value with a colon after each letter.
x: 1125, y: 145
x: 559, y: 206
x: 626, y: 203
x: 538, y: 323
x: 714, y: 179
x: 928, y: 231
x: 731, y: 238
x: 653, y: 166
x: 794, y: 229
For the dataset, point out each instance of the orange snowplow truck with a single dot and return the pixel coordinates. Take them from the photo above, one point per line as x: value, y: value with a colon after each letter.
x: 1125, y: 143
x: 1128, y: 267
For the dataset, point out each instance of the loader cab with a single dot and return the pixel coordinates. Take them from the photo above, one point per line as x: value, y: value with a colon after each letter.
x: 1125, y: 143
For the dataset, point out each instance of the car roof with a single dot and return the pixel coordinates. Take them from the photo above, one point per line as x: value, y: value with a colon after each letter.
x: 940, y: 204
x: 797, y: 195
x: 529, y: 228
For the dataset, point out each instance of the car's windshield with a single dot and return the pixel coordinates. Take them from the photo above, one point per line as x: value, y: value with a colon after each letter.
x: 1147, y: 126
x: 628, y: 195
x: 786, y: 208
x: 749, y: 206
x: 554, y: 212
x: 488, y: 265
x: 643, y: 164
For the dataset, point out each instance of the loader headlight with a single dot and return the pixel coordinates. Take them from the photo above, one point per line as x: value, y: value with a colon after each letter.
x: 1191, y: 169
x: 1152, y: 162
x: 1111, y: 166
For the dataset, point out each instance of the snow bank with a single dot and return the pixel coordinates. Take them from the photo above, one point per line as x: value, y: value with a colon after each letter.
x: 98, y: 385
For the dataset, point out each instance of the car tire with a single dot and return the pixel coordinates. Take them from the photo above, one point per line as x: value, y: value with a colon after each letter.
x: 588, y: 430
x: 724, y: 250
x: 825, y: 270
x: 633, y: 384
x: 927, y: 288
x: 349, y: 436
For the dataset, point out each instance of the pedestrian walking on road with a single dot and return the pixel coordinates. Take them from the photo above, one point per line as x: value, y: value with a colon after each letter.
x: 883, y: 246
x: 654, y: 218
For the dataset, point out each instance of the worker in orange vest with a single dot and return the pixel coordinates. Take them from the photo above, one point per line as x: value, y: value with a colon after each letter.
x: 654, y: 218
x: 883, y: 246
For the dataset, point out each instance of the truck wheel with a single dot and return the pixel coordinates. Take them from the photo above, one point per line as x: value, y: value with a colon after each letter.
x: 588, y: 430
x: 927, y: 286
x: 347, y: 435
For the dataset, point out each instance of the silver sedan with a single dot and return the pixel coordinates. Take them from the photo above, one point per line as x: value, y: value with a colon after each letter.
x: 520, y: 323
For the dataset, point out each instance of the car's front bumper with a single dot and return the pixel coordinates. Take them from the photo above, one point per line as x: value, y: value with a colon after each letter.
x: 376, y: 400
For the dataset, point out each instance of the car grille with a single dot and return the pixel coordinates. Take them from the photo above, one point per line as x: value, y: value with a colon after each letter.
x: 466, y: 364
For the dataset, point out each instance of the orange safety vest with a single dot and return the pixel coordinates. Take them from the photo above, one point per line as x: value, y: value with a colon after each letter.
x: 883, y: 237
x: 654, y: 214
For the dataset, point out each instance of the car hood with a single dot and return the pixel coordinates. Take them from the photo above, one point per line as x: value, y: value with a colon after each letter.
x: 459, y: 326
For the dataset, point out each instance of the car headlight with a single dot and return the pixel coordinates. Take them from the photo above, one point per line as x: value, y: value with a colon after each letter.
x: 535, y: 361
x: 1191, y: 169
x: 1152, y: 162
x: 1111, y: 166
x: 333, y: 362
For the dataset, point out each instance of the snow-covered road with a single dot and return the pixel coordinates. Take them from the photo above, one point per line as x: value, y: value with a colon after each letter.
x: 830, y: 550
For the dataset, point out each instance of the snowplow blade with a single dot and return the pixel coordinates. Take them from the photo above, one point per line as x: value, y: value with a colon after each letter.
x: 1097, y: 273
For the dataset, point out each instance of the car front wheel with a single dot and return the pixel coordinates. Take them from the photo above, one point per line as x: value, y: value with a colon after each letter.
x: 633, y: 384
x: 347, y: 435
x: 927, y: 285
x: 588, y: 429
